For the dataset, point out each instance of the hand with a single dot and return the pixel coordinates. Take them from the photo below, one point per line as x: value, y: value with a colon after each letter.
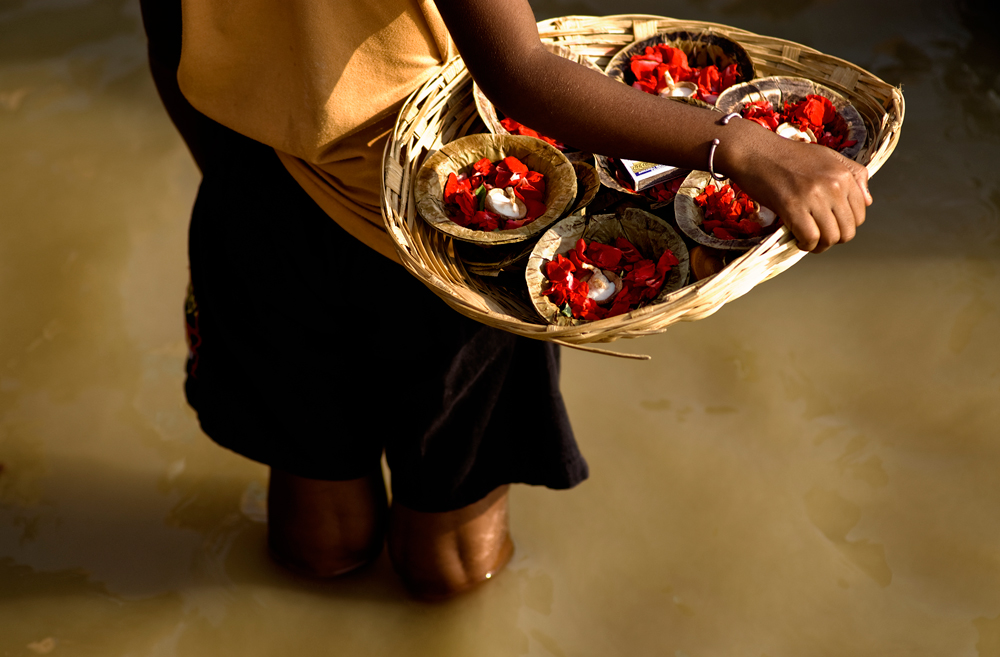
x: 819, y: 194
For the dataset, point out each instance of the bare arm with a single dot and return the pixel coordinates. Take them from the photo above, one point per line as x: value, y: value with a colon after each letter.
x: 820, y: 194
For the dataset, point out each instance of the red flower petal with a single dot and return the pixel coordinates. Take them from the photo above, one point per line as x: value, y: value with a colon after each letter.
x: 643, y: 271
x: 730, y: 76
x: 574, y: 257
x: 674, y: 56
x: 531, y: 187
x: 515, y: 128
x: 466, y: 201
x: 559, y: 268
x: 709, y: 81
x: 604, y: 256
x: 515, y: 165
x: 644, y: 68
x: 483, y: 167
x: 666, y: 261
x: 651, y: 53
x: 485, y: 220
x: 629, y: 252
x: 535, y: 209
x: 647, y: 85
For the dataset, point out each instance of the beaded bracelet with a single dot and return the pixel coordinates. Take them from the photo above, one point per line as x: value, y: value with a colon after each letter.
x: 715, y: 144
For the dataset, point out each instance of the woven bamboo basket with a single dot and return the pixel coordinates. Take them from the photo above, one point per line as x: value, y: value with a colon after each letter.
x: 443, y: 109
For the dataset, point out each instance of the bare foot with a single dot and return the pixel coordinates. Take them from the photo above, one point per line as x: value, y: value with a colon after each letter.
x: 441, y: 555
x: 325, y: 528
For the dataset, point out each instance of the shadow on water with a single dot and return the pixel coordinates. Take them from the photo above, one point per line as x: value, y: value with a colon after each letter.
x: 120, y: 542
x: 112, y: 572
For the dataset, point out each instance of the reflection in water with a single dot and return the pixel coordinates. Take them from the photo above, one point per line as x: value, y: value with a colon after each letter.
x: 974, y: 73
x: 908, y: 61
x: 836, y: 517
x: 810, y: 471
x: 773, y: 9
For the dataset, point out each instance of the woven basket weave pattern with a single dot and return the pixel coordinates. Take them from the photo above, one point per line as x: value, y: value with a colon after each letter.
x: 443, y: 109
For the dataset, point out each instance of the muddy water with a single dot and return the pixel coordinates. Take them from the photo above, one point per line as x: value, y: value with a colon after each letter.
x: 811, y: 471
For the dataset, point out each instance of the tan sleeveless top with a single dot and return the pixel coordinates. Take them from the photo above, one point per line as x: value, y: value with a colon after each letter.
x: 320, y: 81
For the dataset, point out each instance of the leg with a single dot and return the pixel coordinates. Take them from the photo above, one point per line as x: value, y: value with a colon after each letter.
x: 440, y: 555
x: 325, y: 528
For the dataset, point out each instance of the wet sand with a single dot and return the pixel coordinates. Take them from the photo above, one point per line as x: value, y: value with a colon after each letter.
x: 810, y: 471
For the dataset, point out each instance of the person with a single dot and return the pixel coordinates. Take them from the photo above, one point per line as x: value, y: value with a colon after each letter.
x: 312, y: 352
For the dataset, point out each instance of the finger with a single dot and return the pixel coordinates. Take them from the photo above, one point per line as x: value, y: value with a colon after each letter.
x: 829, y: 230
x: 844, y: 214
x: 804, y: 228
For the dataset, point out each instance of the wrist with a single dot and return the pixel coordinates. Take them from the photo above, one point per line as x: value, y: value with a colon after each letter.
x: 740, y: 142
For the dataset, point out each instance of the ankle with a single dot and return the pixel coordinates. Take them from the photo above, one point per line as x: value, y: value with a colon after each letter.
x: 325, y: 528
x: 442, y: 555
x: 437, y: 584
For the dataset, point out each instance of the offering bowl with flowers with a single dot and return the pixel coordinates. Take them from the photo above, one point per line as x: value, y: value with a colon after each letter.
x: 495, y: 189
x: 799, y: 109
x: 719, y: 215
x: 588, y: 268
x: 491, y: 260
x: 692, y: 67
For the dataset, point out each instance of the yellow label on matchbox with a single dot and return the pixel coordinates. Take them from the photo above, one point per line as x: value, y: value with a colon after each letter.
x: 646, y: 174
x: 639, y: 168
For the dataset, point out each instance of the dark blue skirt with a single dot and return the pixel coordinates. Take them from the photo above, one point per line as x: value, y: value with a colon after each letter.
x: 313, y: 354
